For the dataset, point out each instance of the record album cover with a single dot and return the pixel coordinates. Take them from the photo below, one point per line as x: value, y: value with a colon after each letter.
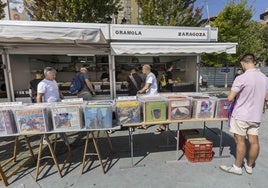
x: 155, y: 111
x: 203, y: 108
x: 66, y: 117
x: 222, y: 109
x: 128, y: 111
x: 98, y: 117
x: 7, y: 123
x: 179, y: 108
x: 31, y: 121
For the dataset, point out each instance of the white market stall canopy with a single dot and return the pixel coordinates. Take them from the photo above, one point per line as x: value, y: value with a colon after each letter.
x: 124, y: 48
x: 157, y: 40
x: 31, y: 37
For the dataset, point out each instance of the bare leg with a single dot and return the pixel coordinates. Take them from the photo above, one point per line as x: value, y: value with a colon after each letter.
x: 253, y: 150
x: 240, y: 149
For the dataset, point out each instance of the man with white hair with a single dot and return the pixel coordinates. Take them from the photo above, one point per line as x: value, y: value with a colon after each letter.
x: 150, y: 87
x: 48, y: 91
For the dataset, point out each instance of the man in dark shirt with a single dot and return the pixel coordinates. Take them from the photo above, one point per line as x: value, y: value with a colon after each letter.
x: 169, y: 79
x: 134, y: 82
x: 238, y: 72
x: 88, y: 90
x: 33, y: 85
x: 105, y: 75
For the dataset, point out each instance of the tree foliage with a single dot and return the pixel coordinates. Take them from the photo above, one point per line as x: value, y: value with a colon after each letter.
x: 2, y: 12
x: 73, y: 10
x: 235, y: 25
x: 264, y: 41
x: 169, y: 12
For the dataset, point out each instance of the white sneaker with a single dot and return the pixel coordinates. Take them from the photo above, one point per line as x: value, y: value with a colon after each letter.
x: 71, y: 140
x: 232, y: 169
x: 248, y: 168
x: 110, y: 131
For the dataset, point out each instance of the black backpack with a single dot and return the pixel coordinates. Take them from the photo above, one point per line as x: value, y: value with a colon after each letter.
x: 77, y: 84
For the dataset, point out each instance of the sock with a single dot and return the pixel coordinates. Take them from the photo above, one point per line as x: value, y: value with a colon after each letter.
x: 237, y: 168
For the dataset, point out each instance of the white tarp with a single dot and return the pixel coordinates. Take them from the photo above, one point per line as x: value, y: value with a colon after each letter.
x: 132, y: 48
x: 51, y: 32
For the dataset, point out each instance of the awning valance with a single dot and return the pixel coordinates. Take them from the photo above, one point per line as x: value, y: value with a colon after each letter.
x: 127, y: 48
x: 51, y: 32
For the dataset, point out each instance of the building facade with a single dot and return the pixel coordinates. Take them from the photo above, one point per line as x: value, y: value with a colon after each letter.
x: 264, y: 16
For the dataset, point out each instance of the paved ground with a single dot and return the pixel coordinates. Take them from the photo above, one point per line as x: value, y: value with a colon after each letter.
x: 161, y: 168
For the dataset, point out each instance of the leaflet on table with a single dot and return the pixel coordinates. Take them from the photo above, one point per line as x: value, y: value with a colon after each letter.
x: 172, y: 94
x: 127, y: 98
x: 10, y: 104
x: 145, y: 98
x: 195, y: 95
x: 217, y: 94
x: 73, y: 101
x: 99, y: 102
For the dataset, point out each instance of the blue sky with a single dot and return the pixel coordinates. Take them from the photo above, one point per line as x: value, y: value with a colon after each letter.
x: 215, y: 6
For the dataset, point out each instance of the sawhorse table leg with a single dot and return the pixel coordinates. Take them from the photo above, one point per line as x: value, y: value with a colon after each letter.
x: 5, y: 177
x: 96, y: 148
x: 53, y: 155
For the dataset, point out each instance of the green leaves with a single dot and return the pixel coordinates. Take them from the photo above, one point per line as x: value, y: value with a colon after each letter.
x: 2, y: 12
x: 169, y: 12
x: 235, y: 25
x: 73, y: 10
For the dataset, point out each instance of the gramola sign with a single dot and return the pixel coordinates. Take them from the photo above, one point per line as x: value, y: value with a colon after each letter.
x: 162, y: 33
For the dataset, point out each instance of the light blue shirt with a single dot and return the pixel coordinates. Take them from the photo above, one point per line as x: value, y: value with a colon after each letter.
x: 151, y: 79
x: 251, y: 87
x: 50, y: 90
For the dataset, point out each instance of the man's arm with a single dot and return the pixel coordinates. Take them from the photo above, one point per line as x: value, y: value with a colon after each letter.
x: 39, y: 97
x: 61, y: 95
x: 147, y: 86
x: 232, y: 96
x: 266, y: 97
x: 90, y: 86
x: 30, y: 93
